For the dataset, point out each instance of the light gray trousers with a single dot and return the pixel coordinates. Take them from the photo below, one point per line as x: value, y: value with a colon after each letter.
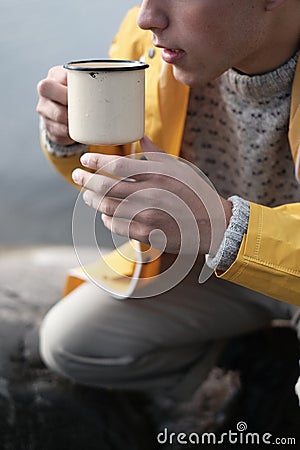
x: 169, y: 342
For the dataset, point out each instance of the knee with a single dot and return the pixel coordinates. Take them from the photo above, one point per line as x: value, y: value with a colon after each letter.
x: 71, y: 347
x: 53, y: 343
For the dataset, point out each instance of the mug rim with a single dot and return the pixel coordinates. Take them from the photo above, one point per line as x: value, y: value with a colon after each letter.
x: 136, y: 65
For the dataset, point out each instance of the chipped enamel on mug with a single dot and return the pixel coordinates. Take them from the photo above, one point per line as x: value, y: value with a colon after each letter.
x: 106, y: 101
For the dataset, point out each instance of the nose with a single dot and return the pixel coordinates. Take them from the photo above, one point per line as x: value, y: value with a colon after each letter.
x: 152, y: 15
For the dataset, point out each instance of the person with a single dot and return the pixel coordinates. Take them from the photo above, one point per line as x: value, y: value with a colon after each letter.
x: 223, y: 92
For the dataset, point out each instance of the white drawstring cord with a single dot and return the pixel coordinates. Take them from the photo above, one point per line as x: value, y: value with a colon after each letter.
x: 297, y: 165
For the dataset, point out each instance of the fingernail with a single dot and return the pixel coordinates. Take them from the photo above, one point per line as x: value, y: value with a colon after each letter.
x: 75, y: 175
x: 84, y: 159
x: 86, y: 196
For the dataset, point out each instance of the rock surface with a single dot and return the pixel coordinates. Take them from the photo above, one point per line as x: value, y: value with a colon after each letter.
x: 38, y: 410
x: 254, y: 382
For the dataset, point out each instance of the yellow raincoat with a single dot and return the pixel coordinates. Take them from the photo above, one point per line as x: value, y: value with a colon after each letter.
x: 269, y: 257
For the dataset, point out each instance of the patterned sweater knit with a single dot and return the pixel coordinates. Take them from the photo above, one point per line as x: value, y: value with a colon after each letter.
x: 236, y: 133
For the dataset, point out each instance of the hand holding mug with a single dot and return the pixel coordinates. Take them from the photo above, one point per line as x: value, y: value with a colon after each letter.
x: 53, y: 105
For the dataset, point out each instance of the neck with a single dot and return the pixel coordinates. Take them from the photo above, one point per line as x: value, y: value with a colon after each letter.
x: 281, y: 40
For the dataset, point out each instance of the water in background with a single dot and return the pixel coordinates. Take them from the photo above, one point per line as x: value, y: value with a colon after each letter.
x: 36, y: 203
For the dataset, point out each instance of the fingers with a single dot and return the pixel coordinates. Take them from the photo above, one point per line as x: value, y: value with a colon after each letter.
x: 59, y: 74
x: 138, y: 230
x: 55, y: 118
x: 54, y: 86
x: 52, y: 111
x: 104, y: 205
x: 118, y: 166
x: 123, y: 208
x: 51, y: 89
x: 57, y: 132
x: 115, y: 216
x: 52, y: 105
x: 104, y: 185
x: 132, y: 229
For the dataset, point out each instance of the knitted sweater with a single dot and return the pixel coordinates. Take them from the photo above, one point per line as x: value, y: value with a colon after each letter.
x: 236, y: 133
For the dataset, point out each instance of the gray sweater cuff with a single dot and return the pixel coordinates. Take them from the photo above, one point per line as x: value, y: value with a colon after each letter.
x: 233, y: 236
x: 61, y: 151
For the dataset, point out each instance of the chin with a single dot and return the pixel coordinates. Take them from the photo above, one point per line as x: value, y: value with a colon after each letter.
x: 188, y: 78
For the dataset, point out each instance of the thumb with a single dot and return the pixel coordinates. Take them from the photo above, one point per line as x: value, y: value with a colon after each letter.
x: 148, y: 146
x: 152, y: 152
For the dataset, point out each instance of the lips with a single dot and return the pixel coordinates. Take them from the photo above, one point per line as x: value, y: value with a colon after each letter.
x: 172, y: 55
x: 169, y: 55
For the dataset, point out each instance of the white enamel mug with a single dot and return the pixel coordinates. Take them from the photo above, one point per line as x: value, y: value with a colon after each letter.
x: 106, y: 101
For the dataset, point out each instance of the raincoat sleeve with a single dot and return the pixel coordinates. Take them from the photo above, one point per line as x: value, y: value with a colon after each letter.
x: 269, y: 257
